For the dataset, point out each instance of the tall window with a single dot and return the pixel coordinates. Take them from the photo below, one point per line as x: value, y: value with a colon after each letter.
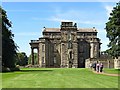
x: 69, y: 36
x: 43, y: 48
x: 55, y: 60
x: 43, y: 61
x: 69, y: 45
x: 70, y: 55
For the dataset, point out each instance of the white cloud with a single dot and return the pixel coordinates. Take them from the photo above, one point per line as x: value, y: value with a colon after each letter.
x: 68, y: 15
x: 57, y: 19
x: 91, y: 22
x: 75, y: 16
x: 108, y: 9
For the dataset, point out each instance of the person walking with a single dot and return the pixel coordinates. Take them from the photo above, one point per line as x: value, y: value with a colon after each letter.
x: 97, y: 67
x: 94, y: 66
x: 101, y: 67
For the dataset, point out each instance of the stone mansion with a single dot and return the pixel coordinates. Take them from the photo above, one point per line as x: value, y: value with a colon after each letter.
x: 66, y: 47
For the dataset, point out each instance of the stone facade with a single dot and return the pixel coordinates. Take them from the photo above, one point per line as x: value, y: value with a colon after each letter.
x: 67, y: 46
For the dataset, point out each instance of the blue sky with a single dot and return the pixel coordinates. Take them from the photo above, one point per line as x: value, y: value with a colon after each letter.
x: 29, y: 18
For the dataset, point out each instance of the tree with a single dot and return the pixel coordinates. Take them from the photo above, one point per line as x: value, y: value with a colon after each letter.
x: 113, y: 31
x: 9, y: 47
x: 22, y: 59
x: 35, y: 58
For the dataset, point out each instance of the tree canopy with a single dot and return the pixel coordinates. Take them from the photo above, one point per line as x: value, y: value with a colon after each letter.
x: 9, y: 47
x: 22, y: 59
x: 113, y: 31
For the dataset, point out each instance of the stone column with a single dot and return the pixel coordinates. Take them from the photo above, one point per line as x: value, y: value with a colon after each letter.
x: 75, y: 55
x: 61, y: 54
x: 38, y: 55
x: 64, y: 56
x: 32, y: 53
x: 97, y: 50
x: 91, y: 50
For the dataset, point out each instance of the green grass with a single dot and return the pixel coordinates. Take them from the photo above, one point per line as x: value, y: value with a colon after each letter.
x: 112, y: 71
x: 57, y: 78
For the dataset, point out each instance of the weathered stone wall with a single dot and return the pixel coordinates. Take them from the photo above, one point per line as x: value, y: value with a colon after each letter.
x: 75, y: 55
x: 56, y: 53
x: 64, y: 56
x: 117, y: 63
x: 51, y: 53
x: 42, y: 53
x: 46, y: 58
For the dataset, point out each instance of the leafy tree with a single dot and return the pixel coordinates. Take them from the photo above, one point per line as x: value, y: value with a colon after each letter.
x: 35, y: 58
x: 22, y: 59
x: 8, y: 45
x: 113, y: 31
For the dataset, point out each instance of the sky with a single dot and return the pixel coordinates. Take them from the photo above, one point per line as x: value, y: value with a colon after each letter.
x: 29, y: 18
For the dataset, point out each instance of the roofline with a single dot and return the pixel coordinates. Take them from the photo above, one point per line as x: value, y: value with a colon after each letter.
x: 78, y: 30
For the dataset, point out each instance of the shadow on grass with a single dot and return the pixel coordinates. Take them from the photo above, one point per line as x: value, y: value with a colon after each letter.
x: 27, y: 71
x: 35, y: 70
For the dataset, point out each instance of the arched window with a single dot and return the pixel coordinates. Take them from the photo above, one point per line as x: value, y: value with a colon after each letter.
x: 70, y: 53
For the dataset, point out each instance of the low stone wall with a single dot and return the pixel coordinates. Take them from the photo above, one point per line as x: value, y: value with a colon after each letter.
x: 107, y: 63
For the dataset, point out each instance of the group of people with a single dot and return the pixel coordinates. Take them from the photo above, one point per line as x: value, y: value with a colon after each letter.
x: 97, y: 66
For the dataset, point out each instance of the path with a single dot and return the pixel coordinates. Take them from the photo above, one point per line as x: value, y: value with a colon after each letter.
x: 106, y: 73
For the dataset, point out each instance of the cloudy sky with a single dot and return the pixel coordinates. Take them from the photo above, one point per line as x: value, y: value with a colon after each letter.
x: 29, y: 18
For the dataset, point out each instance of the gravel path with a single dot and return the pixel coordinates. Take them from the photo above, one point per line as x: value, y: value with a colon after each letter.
x: 106, y: 73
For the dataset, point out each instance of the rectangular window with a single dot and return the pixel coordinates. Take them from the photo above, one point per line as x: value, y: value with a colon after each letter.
x: 54, y: 59
x: 89, y: 34
x: 43, y: 48
x: 43, y: 61
x: 94, y: 34
x: 70, y: 55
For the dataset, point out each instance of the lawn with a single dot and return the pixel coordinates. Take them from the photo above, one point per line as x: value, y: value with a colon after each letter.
x: 112, y: 71
x: 57, y: 78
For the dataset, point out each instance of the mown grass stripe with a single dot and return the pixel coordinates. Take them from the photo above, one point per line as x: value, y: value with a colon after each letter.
x: 57, y: 78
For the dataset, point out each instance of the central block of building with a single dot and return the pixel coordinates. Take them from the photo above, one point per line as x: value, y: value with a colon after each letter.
x: 67, y: 46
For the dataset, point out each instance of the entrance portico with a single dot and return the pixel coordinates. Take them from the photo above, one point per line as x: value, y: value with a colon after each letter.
x: 34, y: 45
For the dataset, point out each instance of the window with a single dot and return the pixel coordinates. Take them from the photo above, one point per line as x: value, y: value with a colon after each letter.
x: 69, y: 36
x: 70, y: 55
x: 42, y: 48
x: 89, y: 34
x: 54, y: 59
x: 69, y: 45
x: 43, y: 61
x: 94, y: 34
